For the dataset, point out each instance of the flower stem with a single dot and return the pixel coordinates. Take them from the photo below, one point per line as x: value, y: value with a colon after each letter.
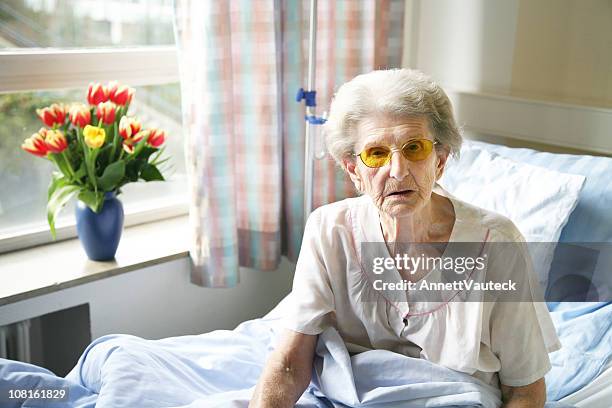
x: 87, y: 157
x: 115, y: 141
x: 69, y: 167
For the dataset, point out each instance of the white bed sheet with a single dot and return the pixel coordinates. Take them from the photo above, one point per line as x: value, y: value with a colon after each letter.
x: 277, y: 311
x: 597, y: 394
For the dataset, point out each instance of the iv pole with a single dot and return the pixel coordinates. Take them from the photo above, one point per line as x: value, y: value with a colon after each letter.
x: 309, y: 96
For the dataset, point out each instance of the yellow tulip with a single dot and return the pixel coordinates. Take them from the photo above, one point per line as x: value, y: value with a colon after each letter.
x: 94, y: 136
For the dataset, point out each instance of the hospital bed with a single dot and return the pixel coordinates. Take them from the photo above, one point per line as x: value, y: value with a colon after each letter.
x: 214, y: 368
x: 597, y: 394
x: 590, y: 221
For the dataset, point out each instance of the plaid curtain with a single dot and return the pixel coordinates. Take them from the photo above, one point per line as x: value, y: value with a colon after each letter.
x: 241, y: 64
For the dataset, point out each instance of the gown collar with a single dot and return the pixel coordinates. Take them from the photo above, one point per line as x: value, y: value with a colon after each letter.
x: 370, y: 243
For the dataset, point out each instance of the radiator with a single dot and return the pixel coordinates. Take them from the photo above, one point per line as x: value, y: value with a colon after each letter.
x: 15, y: 341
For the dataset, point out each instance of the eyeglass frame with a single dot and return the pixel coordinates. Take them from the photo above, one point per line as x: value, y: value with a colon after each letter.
x: 395, y: 149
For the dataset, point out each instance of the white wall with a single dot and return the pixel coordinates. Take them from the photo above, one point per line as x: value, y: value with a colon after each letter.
x: 553, y: 50
x: 159, y: 301
x: 565, y: 51
x: 535, y: 72
x: 465, y: 44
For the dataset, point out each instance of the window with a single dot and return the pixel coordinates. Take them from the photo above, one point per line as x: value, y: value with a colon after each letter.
x: 49, y: 52
x: 85, y: 23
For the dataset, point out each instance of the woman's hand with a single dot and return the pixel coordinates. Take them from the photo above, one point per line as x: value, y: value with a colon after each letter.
x: 287, y: 372
x: 528, y: 396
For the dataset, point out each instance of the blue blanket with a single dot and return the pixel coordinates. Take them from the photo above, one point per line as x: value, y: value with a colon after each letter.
x: 221, y: 368
x: 585, y: 331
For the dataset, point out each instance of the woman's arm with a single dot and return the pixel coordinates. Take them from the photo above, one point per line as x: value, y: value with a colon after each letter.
x: 287, y: 372
x: 528, y: 396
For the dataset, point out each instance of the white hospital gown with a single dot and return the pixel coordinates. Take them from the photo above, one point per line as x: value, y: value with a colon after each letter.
x: 492, y: 341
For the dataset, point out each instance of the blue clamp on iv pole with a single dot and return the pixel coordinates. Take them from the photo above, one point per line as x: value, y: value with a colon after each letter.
x: 310, y: 97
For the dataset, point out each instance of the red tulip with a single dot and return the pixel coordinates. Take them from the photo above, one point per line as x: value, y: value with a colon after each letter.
x: 35, y: 144
x: 120, y: 94
x: 54, y: 114
x: 156, y: 137
x: 128, y: 146
x: 80, y: 115
x: 129, y: 127
x: 130, y: 142
x: 56, y: 141
x: 106, y: 112
x: 96, y: 93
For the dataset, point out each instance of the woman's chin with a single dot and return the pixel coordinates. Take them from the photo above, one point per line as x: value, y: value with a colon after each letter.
x: 400, y: 208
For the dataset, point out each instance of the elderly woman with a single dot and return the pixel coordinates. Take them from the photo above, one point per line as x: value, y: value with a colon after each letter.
x: 392, y: 132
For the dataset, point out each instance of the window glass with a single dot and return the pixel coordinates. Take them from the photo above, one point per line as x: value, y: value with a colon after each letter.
x: 24, y: 178
x: 85, y: 23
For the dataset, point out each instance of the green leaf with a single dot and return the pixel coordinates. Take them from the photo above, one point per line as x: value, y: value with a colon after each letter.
x: 160, y: 162
x: 112, y: 176
x: 145, y: 152
x: 116, y: 140
x: 104, y: 156
x: 82, y: 171
x: 91, y: 167
x: 132, y: 170
x: 150, y: 173
x: 92, y: 199
x: 57, y: 180
x: 158, y: 155
x: 90, y: 160
x: 142, y: 143
x: 59, y: 162
x: 57, y: 200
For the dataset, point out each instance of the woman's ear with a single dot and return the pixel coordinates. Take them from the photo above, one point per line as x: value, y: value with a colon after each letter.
x: 442, y: 158
x: 350, y: 166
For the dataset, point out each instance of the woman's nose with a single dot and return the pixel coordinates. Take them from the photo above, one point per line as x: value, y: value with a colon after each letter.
x: 399, y: 166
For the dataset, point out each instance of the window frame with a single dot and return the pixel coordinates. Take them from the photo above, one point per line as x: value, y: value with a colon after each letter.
x: 38, y: 69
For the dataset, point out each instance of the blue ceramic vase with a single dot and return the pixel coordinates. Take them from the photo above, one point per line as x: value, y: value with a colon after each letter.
x: 100, y: 233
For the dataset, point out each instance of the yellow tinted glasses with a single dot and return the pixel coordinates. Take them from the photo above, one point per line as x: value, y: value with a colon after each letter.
x: 414, y: 150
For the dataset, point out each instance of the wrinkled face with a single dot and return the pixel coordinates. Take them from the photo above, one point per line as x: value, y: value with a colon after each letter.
x: 400, y: 187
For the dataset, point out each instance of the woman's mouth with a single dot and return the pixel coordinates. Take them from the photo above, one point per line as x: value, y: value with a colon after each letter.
x: 401, y: 193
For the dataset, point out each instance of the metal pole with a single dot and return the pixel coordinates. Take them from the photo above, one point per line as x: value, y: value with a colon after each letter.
x: 310, y: 110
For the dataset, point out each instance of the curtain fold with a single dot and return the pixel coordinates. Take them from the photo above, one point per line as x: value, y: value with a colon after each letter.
x: 241, y: 64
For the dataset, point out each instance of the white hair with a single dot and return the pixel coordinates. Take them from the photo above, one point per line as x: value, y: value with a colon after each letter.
x: 397, y: 93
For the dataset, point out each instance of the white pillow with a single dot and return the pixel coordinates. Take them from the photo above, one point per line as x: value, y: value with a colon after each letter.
x: 539, y: 201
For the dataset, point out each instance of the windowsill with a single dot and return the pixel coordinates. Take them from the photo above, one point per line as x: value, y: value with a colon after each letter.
x: 48, y: 268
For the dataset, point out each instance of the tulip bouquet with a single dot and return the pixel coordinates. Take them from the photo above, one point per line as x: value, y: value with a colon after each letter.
x: 97, y: 148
